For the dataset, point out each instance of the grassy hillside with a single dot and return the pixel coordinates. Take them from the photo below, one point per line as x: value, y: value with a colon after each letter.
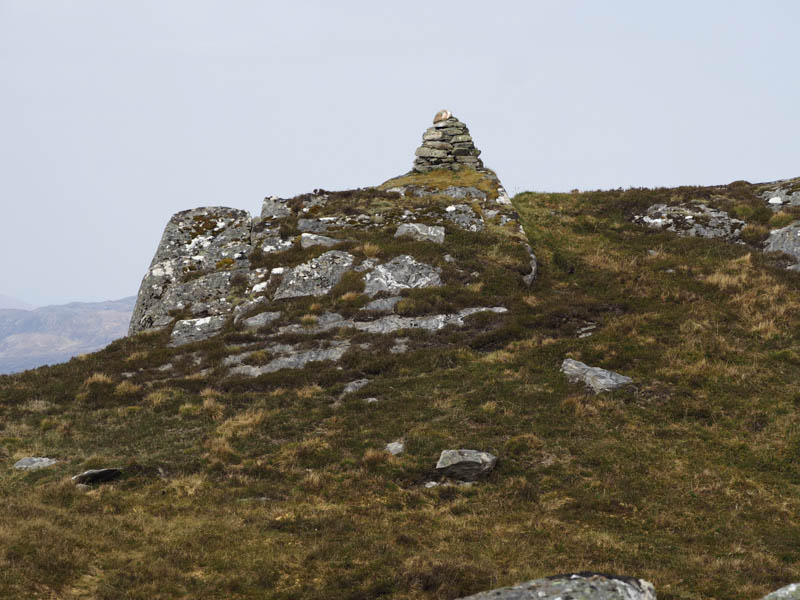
x: 276, y: 487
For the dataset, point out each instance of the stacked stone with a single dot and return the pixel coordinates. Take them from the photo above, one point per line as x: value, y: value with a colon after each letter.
x: 447, y: 145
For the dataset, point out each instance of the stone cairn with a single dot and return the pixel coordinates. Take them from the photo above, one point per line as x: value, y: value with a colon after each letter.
x: 446, y: 145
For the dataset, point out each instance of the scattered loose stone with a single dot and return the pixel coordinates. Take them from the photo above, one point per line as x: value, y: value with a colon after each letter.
x: 316, y: 277
x: 421, y: 232
x: 193, y: 330
x: 309, y: 240
x: 577, y: 586
x: 599, y: 380
x: 401, y: 273
x: 97, y: 476
x: 371, y: 400
x: 466, y: 465
x: 32, y: 463
x: 789, y: 592
x: 395, y: 448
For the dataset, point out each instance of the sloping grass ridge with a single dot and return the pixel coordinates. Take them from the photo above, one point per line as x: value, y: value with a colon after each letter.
x: 278, y: 487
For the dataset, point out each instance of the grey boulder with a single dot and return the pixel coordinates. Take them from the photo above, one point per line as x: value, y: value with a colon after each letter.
x: 401, y: 273
x: 421, y: 232
x: 395, y: 448
x: 275, y: 208
x: 466, y: 465
x: 96, y: 476
x: 786, y: 239
x: 577, y: 586
x: 790, y: 592
x: 32, y: 463
x: 599, y: 380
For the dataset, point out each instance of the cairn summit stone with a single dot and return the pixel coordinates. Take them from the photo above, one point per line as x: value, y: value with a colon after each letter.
x: 447, y: 145
x: 576, y: 586
x: 466, y: 465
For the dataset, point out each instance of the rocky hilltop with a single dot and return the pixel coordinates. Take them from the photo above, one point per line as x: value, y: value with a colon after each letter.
x: 383, y: 393
x: 411, y: 254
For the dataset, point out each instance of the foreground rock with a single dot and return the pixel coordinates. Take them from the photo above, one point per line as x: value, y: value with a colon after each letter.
x: 466, y: 465
x: 96, y: 476
x: 787, y: 240
x: 692, y: 220
x: 790, y: 592
x: 599, y: 380
x: 32, y: 463
x: 578, y: 586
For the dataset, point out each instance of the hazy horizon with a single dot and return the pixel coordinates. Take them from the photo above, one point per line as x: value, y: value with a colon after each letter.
x: 116, y: 115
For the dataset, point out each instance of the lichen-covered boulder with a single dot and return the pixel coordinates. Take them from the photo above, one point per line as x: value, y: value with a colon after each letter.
x: 316, y: 277
x: 576, y: 586
x: 401, y: 273
x: 198, y: 241
x: 789, y: 592
x: 466, y: 465
x: 599, y: 380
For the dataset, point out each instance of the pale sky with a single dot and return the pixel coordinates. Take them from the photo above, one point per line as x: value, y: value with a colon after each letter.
x: 116, y: 114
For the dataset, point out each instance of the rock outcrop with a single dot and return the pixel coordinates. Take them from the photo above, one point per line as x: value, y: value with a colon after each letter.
x: 577, y: 586
x: 446, y: 145
x: 355, y: 259
x: 786, y: 240
x: 692, y: 220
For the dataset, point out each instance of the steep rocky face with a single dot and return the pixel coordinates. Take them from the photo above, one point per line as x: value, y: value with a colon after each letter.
x: 413, y: 253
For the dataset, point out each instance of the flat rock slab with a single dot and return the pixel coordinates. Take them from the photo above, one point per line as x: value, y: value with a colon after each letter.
x: 790, y: 592
x: 96, y: 476
x: 421, y: 232
x: 599, y: 380
x: 466, y: 465
x: 316, y: 277
x: 31, y: 463
x: 194, y: 330
x: 400, y: 273
x: 291, y: 357
x: 578, y: 586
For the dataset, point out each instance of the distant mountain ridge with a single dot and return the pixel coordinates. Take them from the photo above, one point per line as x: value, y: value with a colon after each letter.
x: 53, y: 334
x: 9, y: 302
